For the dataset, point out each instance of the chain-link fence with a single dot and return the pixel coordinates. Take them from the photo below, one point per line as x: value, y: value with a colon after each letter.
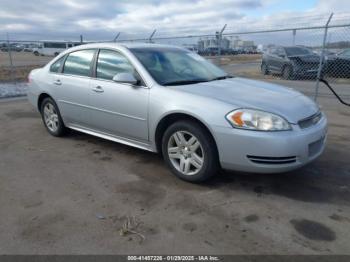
x: 292, y: 56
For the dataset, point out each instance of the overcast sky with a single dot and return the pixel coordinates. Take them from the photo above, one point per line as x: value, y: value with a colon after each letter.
x: 96, y: 19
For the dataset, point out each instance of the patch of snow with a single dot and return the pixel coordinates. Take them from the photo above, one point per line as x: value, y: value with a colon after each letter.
x: 13, y: 89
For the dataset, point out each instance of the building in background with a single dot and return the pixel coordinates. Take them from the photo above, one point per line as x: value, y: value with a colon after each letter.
x: 245, y: 45
x: 211, y: 45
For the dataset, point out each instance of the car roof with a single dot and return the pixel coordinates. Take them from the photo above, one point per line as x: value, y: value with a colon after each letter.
x: 128, y: 45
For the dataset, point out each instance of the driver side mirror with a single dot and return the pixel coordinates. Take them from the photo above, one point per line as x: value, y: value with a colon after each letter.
x: 125, y: 78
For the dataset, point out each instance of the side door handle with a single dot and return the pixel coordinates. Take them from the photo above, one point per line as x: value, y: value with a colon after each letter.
x: 98, y: 89
x: 57, y: 82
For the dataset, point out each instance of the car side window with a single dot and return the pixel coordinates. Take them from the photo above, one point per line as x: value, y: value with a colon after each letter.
x: 111, y: 63
x: 55, y: 67
x: 279, y: 51
x: 79, y: 62
x: 273, y: 51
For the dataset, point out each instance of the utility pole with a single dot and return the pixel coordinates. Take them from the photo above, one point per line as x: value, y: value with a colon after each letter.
x: 81, y: 39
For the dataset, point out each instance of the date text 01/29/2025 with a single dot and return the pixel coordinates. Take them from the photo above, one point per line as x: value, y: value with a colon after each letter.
x: 173, y: 258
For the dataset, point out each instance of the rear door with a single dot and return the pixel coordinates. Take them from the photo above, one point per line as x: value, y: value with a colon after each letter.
x: 116, y: 108
x: 71, y: 87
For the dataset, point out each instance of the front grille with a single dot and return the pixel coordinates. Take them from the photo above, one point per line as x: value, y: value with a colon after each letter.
x: 310, y: 121
x: 311, y: 66
x: 268, y: 160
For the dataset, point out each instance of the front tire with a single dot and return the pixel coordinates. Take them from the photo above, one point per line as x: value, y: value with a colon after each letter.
x: 52, y: 118
x: 287, y: 73
x: 264, y: 69
x: 190, y: 151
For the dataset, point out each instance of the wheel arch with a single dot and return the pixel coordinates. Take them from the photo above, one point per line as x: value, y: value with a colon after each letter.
x: 171, y: 118
x: 41, y: 98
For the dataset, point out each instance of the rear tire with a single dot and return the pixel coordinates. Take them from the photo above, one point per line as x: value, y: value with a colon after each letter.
x: 52, y: 118
x: 190, y: 151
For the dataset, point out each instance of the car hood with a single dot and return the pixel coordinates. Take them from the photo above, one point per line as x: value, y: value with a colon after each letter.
x: 343, y: 58
x: 245, y: 93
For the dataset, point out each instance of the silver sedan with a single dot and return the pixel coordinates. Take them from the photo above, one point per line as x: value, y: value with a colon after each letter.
x: 169, y: 100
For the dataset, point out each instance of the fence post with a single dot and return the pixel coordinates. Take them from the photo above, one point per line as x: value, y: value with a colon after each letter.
x: 322, y: 56
x: 294, y: 33
x: 150, y: 37
x: 116, y: 37
x: 10, y: 56
x: 220, y: 38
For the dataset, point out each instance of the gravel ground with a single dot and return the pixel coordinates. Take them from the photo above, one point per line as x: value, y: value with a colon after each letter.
x: 72, y: 195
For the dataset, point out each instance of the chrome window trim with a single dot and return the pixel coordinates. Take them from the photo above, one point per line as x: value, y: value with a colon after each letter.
x: 97, y: 50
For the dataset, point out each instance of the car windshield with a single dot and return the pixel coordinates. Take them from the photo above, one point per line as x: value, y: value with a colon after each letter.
x: 345, y: 53
x: 291, y: 51
x: 174, y: 66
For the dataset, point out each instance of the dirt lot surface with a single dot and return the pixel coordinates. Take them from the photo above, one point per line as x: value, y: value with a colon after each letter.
x: 72, y: 195
x: 23, y: 59
x: 23, y: 63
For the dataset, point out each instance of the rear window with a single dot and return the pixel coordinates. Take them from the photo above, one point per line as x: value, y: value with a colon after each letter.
x: 79, y: 63
x: 55, y: 67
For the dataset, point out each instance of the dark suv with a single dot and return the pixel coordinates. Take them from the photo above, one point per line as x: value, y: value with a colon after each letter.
x: 291, y: 62
x: 339, y: 65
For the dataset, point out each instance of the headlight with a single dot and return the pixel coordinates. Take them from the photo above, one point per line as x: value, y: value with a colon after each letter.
x: 257, y: 120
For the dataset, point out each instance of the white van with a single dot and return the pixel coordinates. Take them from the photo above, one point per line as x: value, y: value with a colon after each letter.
x: 53, y: 48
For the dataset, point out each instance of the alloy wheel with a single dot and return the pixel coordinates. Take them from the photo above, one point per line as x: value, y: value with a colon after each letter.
x: 51, y: 117
x: 185, y: 153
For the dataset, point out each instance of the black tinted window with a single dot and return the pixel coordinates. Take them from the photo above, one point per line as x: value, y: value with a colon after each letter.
x: 54, y: 45
x: 110, y: 63
x: 297, y: 51
x: 56, y: 66
x: 78, y: 63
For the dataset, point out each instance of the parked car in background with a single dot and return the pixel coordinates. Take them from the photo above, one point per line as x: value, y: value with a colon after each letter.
x: 339, y: 65
x: 291, y: 62
x: 12, y: 47
x: 170, y: 100
x: 53, y: 48
x: 29, y: 47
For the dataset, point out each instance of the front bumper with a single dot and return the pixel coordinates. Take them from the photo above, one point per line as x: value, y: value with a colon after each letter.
x: 270, y: 152
x: 306, y: 72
